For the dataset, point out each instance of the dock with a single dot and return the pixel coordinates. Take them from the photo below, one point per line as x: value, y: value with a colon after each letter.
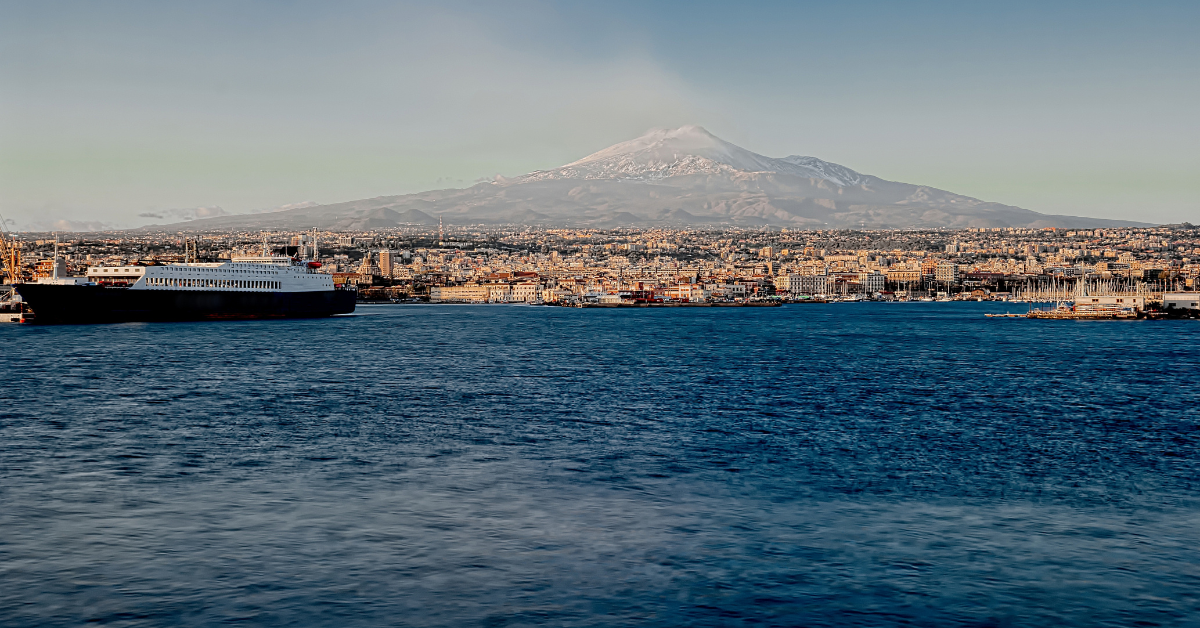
x: 677, y: 304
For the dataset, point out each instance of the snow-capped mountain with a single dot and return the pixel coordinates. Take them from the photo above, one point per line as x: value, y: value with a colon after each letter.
x: 683, y: 176
x: 688, y: 150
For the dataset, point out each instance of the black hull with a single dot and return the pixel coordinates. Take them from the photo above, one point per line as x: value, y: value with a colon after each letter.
x: 54, y: 304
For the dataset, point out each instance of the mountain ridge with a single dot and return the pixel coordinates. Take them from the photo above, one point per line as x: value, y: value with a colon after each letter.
x: 681, y: 176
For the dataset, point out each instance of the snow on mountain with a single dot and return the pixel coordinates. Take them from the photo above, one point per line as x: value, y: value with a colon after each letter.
x: 689, y: 150
x: 818, y: 169
x: 683, y: 176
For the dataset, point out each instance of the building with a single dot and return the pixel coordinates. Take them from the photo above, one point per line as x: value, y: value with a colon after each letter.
x: 1182, y: 300
x: 387, y: 261
x: 527, y: 292
x: 467, y: 293
x: 872, y: 281
x: 555, y: 295
x: 499, y: 293
x: 903, y: 275
x: 788, y: 284
x: 1105, y: 303
x: 45, y: 268
x: 367, y: 268
x: 351, y: 279
x: 693, y: 293
x: 946, y: 272
x: 811, y: 284
x: 727, y: 290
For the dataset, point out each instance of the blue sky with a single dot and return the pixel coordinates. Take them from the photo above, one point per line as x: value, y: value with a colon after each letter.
x: 113, y: 110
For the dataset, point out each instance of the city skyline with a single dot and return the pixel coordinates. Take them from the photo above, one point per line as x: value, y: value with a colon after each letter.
x: 121, y: 112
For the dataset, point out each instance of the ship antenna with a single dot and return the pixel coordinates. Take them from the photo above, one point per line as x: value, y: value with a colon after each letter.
x: 264, y: 251
x: 441, y: 235
x: 56, y: 255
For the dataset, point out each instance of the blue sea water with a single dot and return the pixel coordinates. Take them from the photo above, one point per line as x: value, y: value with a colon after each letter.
x: 811, y: 465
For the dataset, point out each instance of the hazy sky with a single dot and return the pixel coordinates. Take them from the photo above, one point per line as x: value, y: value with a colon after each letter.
x: 109, y: 111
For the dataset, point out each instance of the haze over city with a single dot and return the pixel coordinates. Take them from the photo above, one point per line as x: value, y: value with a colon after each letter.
x: 126, y: 114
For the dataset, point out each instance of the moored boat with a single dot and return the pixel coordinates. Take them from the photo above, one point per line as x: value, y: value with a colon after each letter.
x: 242, y: 288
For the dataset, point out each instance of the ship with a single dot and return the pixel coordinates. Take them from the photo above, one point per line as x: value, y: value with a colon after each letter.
x: 247, y: 287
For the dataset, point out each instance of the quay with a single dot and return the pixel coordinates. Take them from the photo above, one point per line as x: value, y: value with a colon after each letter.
x: 1074, y: 312
x: 678, y: 304
x: 1119, y: 306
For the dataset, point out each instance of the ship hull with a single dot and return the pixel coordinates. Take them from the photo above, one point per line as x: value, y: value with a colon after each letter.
x: 58, y: 304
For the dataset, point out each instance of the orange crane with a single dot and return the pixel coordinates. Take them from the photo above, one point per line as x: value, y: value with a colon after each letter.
x: 10, y: 255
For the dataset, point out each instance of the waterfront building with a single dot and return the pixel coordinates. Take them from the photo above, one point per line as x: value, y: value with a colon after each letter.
x: 903, y: 275
x: 527, y: 292
x: 687, y: 292
x: 789, y: 284
x: 1103, y: 302
x: 946, y: 272
x: 1182, y: 300
x: 872, y: 281
x: 499, y: 293
x: 727, y: 290
x: 812, y: 284
x: 467, y: 293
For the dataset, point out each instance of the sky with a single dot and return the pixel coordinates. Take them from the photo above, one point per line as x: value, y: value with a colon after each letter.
x: 117, y: 114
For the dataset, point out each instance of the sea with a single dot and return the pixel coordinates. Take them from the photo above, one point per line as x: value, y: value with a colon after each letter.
x: 847, y: 464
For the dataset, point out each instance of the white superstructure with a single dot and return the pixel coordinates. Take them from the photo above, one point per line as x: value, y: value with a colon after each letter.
x: 242, y: 274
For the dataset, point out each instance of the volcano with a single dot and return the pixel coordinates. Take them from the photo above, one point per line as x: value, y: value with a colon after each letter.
x: 672, y: 177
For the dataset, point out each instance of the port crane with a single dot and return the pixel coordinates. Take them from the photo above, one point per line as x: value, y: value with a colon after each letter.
x: 10, y: 255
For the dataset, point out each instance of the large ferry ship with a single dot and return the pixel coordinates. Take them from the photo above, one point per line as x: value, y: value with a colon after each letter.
x: 267, y: 286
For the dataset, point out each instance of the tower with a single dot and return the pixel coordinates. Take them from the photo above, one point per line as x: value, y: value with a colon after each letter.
x: 441, y: 234
x: 386, y: 262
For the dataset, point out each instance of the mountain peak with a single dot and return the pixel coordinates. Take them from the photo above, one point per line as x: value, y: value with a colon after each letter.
x: 689, y: 150
x: 679, y: 176
x: 671, y: 145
